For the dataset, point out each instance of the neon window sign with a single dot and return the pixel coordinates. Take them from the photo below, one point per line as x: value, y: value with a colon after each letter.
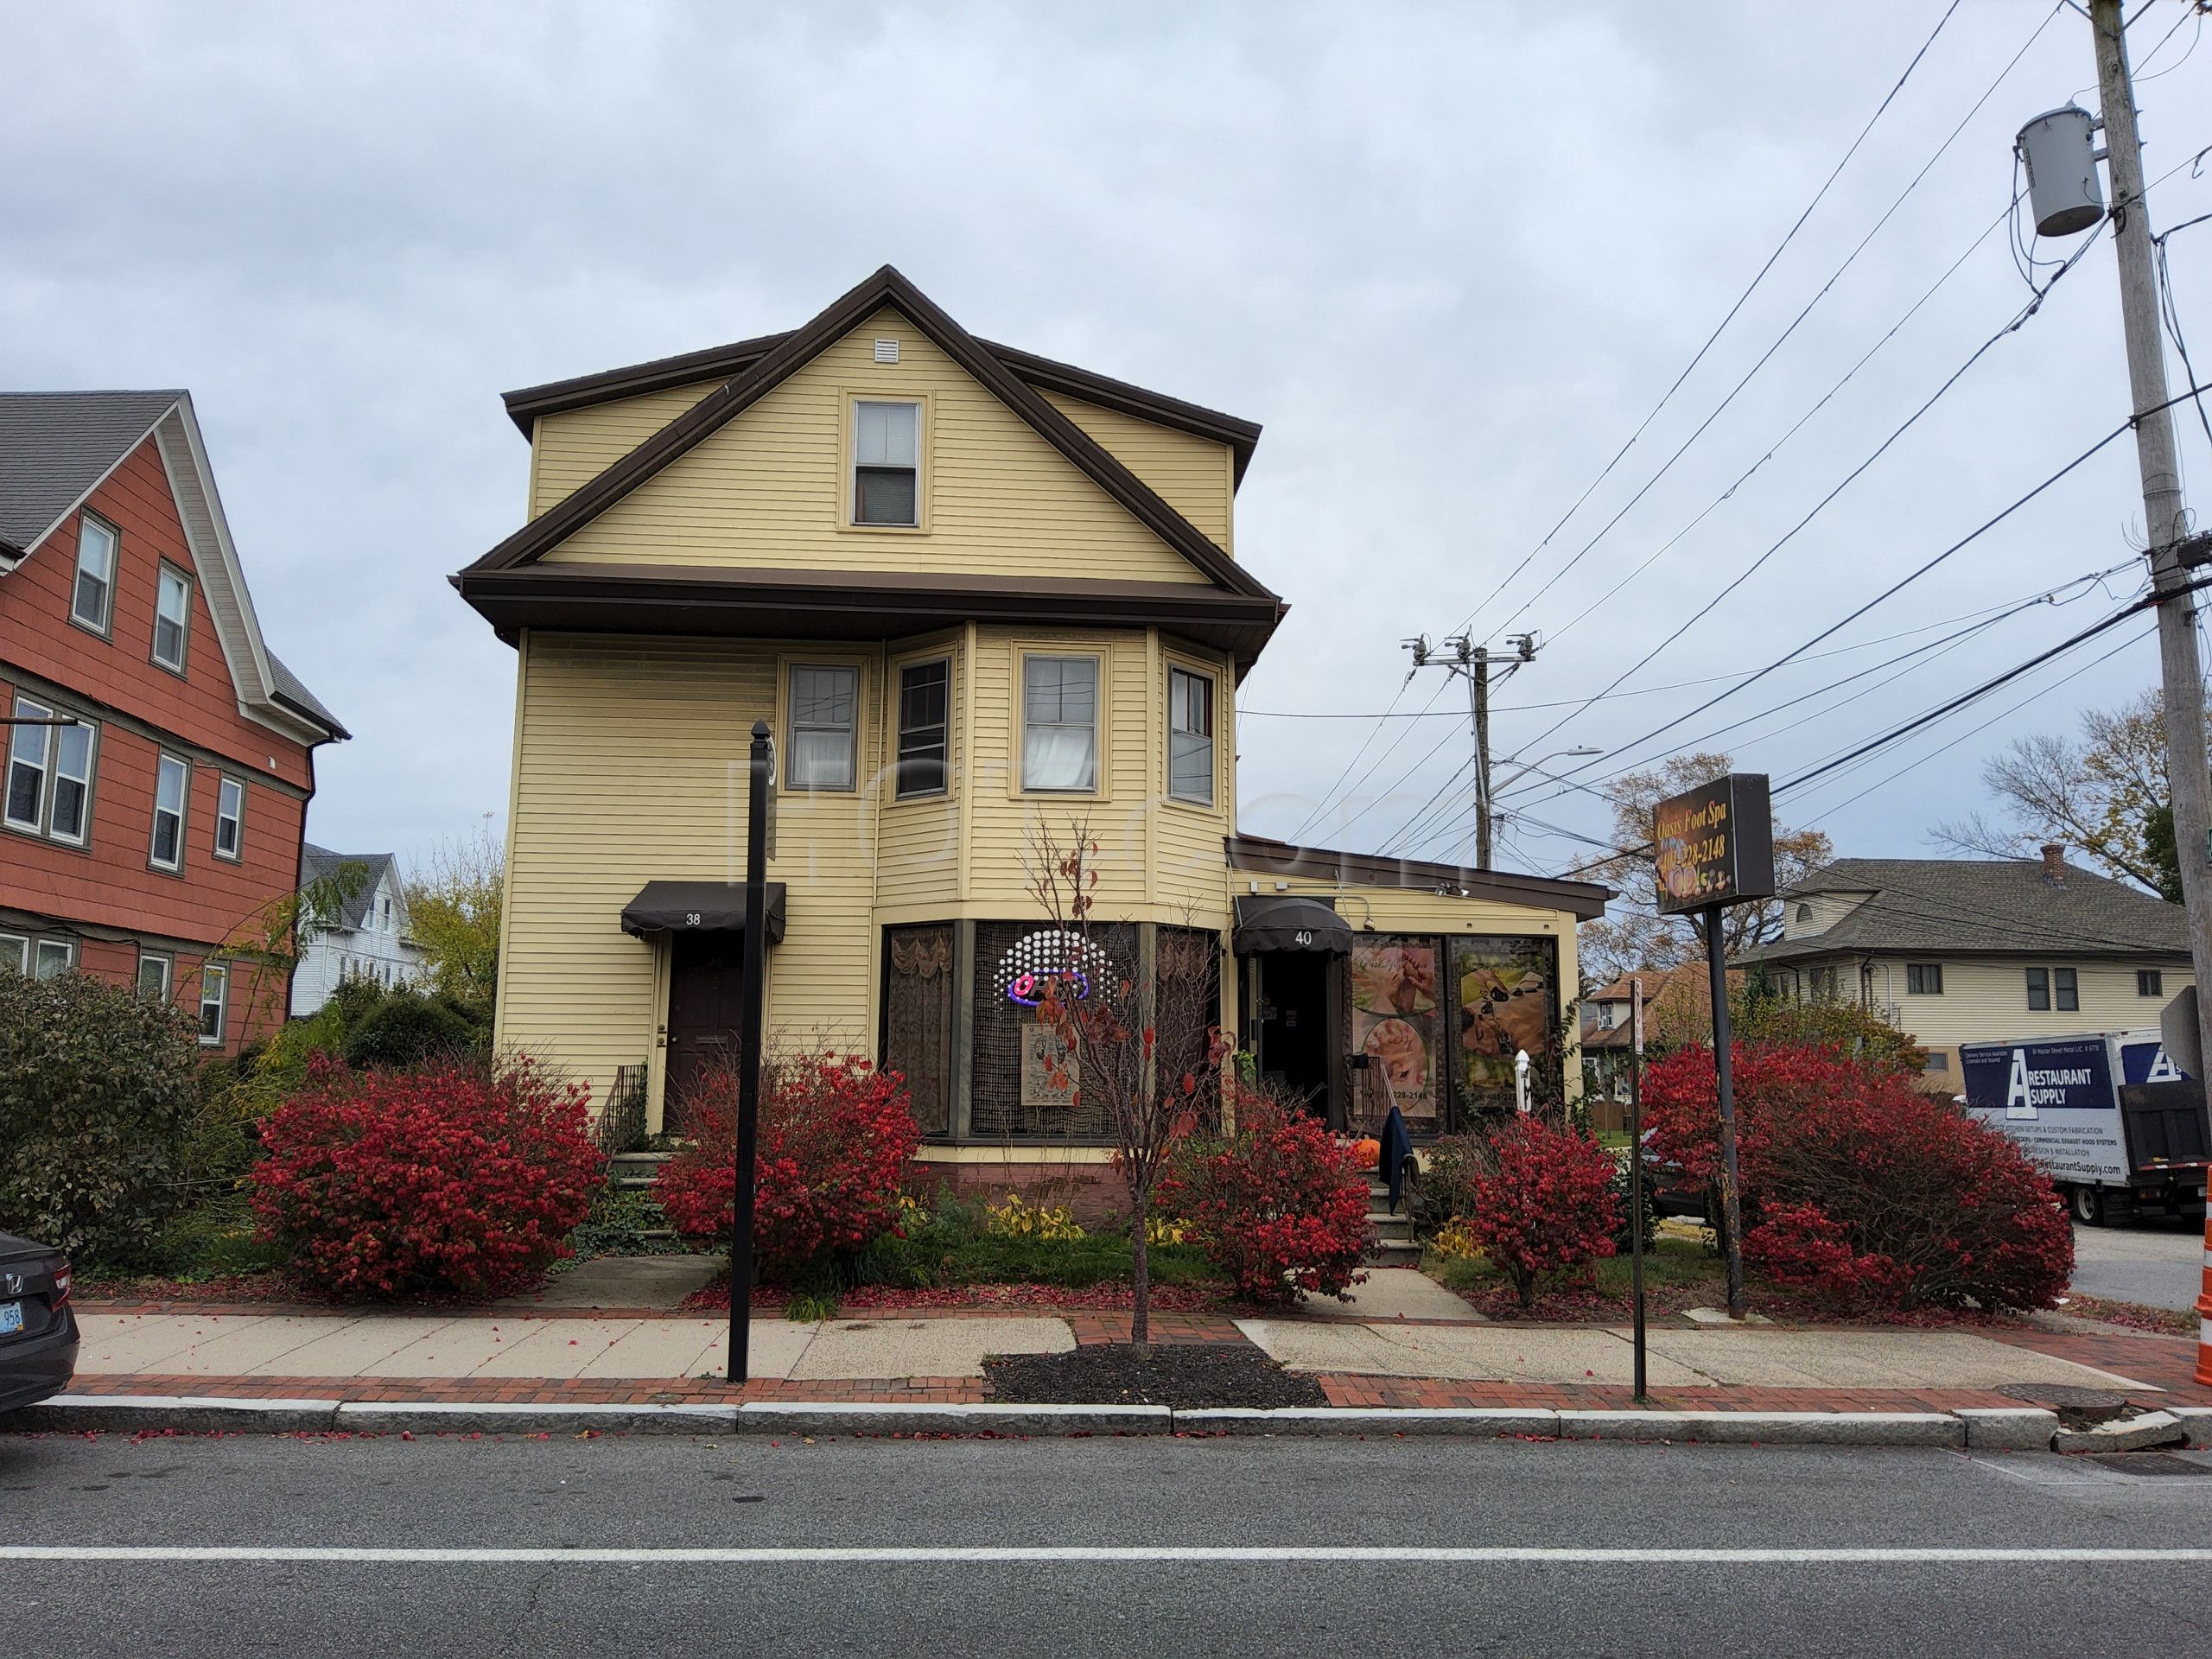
x: 1037, y: 962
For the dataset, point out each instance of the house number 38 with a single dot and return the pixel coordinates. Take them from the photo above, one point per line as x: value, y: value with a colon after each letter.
x: 690, y: 919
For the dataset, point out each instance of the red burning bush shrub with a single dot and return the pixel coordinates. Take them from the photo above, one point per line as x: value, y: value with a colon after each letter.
x: 1278, y: 1203
x: 1863, y: 1191
x: 1543, y: 1200
x: 836, y: 1136
x: 450, y: 1178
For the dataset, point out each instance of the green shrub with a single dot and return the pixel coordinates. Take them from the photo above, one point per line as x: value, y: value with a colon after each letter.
x: 98, y: 1092
x: 214, y: 1239
x: 407, y: 1028
x: 1446, y: 1185
x: 617, y: 1223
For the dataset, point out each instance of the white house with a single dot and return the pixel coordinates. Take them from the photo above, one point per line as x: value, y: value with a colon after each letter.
x: 367, y: 939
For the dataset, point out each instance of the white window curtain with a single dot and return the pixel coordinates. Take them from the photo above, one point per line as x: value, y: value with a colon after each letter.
x: 1059, y: 736
x: 825, y: 704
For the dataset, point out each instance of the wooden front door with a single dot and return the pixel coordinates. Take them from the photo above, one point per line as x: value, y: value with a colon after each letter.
x: 705, y: 973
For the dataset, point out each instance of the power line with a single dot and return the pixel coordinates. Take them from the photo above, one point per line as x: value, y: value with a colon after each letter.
x: 1744, y: 575
x: 1741, y: 299
x: 1782, y: 338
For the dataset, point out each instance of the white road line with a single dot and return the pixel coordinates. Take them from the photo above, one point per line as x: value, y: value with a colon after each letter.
x: 1381, y: 1555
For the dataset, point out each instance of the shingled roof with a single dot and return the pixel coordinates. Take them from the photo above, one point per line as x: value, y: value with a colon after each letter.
x: 56, y: 446
x: 316, y: 862
x: 1967, y: 907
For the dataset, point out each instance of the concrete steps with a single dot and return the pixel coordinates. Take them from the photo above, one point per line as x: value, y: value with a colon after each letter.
x: 636, y: 1172
x: 1389, y: 1237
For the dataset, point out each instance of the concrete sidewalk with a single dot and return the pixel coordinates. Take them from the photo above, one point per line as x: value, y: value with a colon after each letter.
x: 526, y: 1347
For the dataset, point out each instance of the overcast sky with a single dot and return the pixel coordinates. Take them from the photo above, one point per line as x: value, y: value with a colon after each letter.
x: 1450, y: 255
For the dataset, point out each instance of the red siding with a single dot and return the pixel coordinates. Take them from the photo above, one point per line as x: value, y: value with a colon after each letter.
x: 112, y: 884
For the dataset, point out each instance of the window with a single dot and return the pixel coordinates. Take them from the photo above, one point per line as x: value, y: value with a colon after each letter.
x: 1604, y: 1016
x: 214, y: 1003
x: 2149, y: 982
x: 825, y: 703
x: 72, y: 784
x: 1822, y: 981
x: 1924, y: 978
x: 172, y: 619
x: 154, y: 973
x: 924, y: 701
x: 1804, y: 912
x: 1189, y: 736
x: 92, y: 600
x: 171, y: 780
x: 1937, y: 1061
x: 2049, y: 988
x: 917, y: 1025
x: 27, y: 764
x: 887, y: 472
x: 1059, y: 722
x: 55, y: 958
x: 15, y: 953
x: 230, y: 818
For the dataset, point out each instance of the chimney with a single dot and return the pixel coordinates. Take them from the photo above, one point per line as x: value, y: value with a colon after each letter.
x: 2054, y: 863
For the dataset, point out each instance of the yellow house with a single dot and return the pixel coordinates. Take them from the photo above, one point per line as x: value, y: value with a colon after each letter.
x: 978, y: 595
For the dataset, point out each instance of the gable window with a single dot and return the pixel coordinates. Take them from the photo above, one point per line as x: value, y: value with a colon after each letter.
x: 886, y: 463
x: 923, y: 703
x: 171, y: 780
x: 824, y: 721
x: 154, y: 974
x: 172, y: 619
x: 1189, y: 736
x: 214, y: 1003
x: 1804, y: 912
x: 2149, y: 982
x: 230, y: 819
x: 1924, y: 978
x: 55, y: 958
x: 1604, y: 1016
x: 1059, y: 722
x: 92, y: 601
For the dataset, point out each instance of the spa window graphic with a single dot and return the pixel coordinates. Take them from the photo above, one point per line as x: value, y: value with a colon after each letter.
x: 1506, y: 992
x: 1397, y: 992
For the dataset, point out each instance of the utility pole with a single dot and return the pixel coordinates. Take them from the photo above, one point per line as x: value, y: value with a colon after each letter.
x: 1472, y: 663
x: 2165, y: 522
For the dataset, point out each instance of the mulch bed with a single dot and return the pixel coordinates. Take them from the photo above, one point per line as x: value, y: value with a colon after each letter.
x: 1187, y: 1377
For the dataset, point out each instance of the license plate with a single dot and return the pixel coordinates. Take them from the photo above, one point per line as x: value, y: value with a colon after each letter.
x: 11, y: 1317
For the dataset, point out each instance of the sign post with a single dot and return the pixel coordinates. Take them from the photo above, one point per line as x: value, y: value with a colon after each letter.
x: 760, y: 782
x: 1713, y: 847
x: 1635, y: 1207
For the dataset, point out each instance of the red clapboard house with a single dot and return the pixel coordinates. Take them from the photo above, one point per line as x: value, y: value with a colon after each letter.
x: 158, y: 758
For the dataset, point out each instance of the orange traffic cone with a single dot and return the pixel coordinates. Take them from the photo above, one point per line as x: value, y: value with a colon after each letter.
x: 2204, y: 1311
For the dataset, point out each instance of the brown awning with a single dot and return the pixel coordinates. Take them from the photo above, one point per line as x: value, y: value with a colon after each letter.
x: 1286, y: 921
x: 697, y: 907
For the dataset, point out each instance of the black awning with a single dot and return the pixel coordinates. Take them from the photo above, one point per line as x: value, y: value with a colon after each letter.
x: 697, y: 907
x: 1284, y: 921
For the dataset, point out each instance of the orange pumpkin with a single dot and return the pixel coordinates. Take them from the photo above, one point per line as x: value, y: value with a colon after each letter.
x: 1367, y: 1152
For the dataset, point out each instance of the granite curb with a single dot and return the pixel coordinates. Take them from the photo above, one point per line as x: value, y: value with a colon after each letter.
x: 1966, y: 1428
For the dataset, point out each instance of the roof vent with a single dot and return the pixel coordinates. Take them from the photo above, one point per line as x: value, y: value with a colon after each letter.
x: 2054, y: 863
x: 886, y: 350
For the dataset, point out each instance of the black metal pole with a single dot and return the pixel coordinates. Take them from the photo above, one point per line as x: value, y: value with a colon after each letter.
x: 748, y: 1050
x: 1635, y: 1208
x: 1732, y: 1192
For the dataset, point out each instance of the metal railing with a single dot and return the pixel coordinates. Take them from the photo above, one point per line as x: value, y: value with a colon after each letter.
x: 622, y: 1120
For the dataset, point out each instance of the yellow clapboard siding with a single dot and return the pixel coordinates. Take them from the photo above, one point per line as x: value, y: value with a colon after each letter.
x: 1193, y: 475
x: 568, y: 451
x: 767, y: 490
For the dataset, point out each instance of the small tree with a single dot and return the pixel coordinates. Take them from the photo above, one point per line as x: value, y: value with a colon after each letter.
x: 1144, y: 1048
x: 453, y: 912
x: 1544, y: 1202
x: 269, y: 939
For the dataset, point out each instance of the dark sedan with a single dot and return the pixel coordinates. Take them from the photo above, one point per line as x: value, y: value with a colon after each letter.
x: 38, y: 1331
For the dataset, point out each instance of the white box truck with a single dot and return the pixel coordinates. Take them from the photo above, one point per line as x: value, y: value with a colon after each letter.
x: 2118, y: 1127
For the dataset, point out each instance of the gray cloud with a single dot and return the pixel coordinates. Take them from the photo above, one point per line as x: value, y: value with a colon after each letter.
x: 1450, y: 255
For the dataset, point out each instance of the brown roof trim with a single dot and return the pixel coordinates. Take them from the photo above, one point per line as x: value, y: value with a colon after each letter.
x: 1258, y: 854
x: 1043, y: 372
x: 723, y: 362
x: 850, y: 604
x: 885, y: 288
x: 582, y: 390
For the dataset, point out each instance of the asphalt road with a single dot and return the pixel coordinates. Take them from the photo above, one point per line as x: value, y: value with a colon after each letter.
x: 895, y: 1510
x: 2159, y: 1261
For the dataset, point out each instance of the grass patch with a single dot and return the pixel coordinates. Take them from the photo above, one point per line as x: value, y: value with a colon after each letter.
x: 1682, y: 1270
x: 936, y: 1257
